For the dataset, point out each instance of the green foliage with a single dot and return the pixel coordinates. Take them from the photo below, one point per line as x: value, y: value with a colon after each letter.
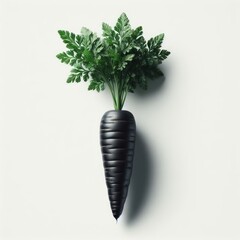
x: 122, y: 59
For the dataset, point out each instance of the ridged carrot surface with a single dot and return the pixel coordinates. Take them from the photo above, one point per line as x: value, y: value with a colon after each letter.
x: 117, y: 138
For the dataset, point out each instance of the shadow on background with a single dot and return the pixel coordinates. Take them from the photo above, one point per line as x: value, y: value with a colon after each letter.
x: 141, y: 180
x: 154, y: 87
x: 144, y: 172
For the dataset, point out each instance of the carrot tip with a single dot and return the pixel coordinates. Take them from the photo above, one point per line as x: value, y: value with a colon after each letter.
x: 116, y: 218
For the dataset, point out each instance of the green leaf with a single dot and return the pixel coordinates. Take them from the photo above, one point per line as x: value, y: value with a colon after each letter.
x: 86, y: 76
x: 159, y: 39
x: 107, y: 30
x: 137, y: 33
x: 73, y: 78
x: 88, y: 56
x: 75, y: 74
x: 96, y: 85
x: 156, y: 42
x: 69, y: 39
x: 122, y: 26
x: 164, y: 54
x: 70, y: 53
x: 85, y: 31
x: 122, y: 22
x: 63, y: 57
x: 125, y: 61
x: 129, y: 57
x: 122, y: 59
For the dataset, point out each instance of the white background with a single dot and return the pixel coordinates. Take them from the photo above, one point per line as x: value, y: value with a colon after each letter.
x: 186, y: 180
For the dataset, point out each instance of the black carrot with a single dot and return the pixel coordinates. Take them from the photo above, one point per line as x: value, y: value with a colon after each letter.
x: 117, y: 137
x: 122, y: 60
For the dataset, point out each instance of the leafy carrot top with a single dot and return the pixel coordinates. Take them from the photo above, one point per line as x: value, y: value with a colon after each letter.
x: 122, y: 59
